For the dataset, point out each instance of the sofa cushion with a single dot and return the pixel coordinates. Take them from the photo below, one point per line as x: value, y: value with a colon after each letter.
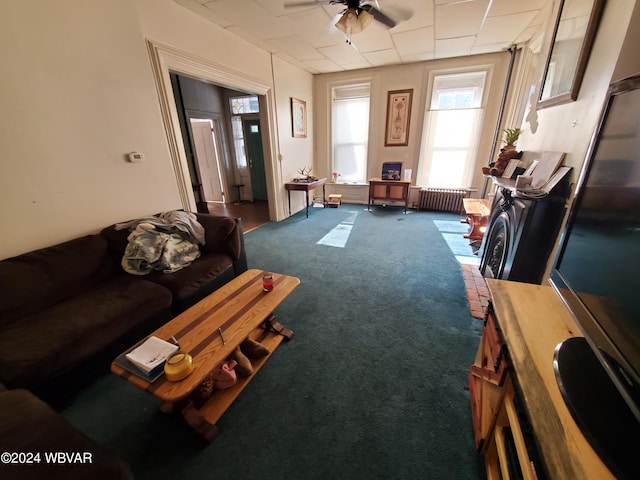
x: 64, y: 335
x: 27, y: 424
x: 203, y: 276
x: 36, y: 280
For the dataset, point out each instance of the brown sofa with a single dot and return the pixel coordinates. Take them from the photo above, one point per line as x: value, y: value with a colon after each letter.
x: 67, y: 310
x: 33, y: 436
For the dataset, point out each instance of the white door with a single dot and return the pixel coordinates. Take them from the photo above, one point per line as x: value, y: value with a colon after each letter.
x: 207, y: 155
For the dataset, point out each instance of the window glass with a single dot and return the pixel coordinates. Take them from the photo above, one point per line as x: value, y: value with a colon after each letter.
x: 451, y: 130
x: 350, y: 132
x: 240, y: 105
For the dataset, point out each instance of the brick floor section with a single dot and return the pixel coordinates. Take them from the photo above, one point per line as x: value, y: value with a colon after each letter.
x: 477, y: 290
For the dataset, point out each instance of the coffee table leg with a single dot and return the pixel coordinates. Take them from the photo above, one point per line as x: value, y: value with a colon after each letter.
x: 196, y: 421
x: 272, y: 325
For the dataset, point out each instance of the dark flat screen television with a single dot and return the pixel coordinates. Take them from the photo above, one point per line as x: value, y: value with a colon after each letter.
x: 597, y: 275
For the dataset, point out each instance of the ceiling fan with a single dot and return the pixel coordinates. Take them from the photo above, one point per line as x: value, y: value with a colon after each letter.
x: 355, y: 18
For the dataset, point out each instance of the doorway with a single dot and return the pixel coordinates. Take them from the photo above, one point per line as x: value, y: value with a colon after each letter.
x: 164, y: 61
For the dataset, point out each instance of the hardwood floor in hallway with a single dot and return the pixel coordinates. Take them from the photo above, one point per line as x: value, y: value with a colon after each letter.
x: 253, y: 214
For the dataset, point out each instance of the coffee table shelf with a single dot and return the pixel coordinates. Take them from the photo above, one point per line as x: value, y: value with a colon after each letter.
x: 221, y: 400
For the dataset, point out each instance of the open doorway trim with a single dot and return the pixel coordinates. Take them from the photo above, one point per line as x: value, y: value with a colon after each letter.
x: 166, y: 59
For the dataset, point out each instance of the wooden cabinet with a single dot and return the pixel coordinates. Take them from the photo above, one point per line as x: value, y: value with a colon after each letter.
x: 498, y: 429
x: 389, y: 191
x: 522, y: 426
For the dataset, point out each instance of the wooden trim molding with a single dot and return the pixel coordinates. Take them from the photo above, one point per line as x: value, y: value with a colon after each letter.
x: 165, y: 59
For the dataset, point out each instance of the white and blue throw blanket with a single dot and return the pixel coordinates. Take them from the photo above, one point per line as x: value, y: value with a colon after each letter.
x: 168, y: 242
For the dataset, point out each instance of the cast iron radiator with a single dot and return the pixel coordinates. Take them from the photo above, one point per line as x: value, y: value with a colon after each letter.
x: 442, y: 199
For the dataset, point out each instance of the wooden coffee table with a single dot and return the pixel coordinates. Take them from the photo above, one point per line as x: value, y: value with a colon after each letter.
x: 239, y: 309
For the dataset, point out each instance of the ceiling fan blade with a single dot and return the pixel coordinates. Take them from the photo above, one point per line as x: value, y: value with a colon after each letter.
x: 379, y: 16
x: 308, y: 3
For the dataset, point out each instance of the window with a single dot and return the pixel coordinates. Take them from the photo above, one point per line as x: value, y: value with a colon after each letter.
x: 451, y: 131
x: 350, y: 133
x: 240, y: 106
x: 238, y: 141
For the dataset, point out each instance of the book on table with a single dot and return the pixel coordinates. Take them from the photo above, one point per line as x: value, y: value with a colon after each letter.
x: 151, y: 355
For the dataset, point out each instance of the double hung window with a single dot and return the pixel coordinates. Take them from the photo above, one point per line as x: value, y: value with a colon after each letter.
x: 452, y: 126
x: 350, y: 132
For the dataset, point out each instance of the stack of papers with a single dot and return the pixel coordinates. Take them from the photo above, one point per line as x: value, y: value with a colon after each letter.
x: 151, y: 355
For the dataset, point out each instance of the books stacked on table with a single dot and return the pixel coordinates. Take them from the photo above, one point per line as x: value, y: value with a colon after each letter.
x: 150, y: 356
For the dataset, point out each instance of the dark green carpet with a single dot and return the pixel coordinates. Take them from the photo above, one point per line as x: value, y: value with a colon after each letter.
x: 373, y: 386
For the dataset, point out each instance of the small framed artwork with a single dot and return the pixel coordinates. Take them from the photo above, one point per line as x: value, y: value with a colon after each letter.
x: 298, y: 118
x: 398, y: 116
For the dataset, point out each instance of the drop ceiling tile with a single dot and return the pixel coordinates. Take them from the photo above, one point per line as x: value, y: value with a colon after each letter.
x: 342, y: 54
x: 249, y: 16
x: 508, y: 7
x: 324, y: 66
x: 414, y: 42
x: 418, y: 57
x: 242, y: 33
x: 205, y: 12
x: 504, y: 29
x: 454, y: 47
x: 293, y: 61
x: 357, y: 65
x: 315, y: 26
x: 460, y: 19
x: 409, y: 14
x: 373, y: 39
x: 296, y: 47
x: 383, y: 57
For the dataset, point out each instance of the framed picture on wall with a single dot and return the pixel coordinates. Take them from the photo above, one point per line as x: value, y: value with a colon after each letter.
x: 571, y: 42
x: 398, y: 116
x: 298, y: 118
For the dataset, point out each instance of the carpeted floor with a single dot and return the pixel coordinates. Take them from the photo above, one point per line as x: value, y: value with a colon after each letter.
x: 373, y: 386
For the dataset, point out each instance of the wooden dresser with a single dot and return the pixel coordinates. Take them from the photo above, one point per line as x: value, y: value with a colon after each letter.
x: 521, y: 423
x: 389, y: 191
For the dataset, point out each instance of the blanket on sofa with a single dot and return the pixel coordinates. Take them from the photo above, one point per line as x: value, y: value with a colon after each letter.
x: 176, y: 220
x: 155, y: 250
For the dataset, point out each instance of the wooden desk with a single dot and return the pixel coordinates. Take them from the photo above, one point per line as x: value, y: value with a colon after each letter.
x: 389, y: 190
x: 239, y: 309
x: 305, y: 187
x: 530, y: 320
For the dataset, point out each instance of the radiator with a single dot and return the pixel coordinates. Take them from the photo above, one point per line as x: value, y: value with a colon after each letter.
x: 442, y: 199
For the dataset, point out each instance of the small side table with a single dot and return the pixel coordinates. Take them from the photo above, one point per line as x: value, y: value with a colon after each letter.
x: 305, y: 187
x: 477, y: 211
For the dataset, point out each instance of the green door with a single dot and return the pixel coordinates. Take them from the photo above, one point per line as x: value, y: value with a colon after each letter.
x: 253, y: 138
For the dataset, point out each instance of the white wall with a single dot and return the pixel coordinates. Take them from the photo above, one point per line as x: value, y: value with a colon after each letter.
x: 411, y: 76
x: 295, y: 153
x: 569, y: 127
x: 78, y: 94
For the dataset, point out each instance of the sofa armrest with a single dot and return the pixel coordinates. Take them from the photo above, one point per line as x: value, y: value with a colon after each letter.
x: 224, y: 235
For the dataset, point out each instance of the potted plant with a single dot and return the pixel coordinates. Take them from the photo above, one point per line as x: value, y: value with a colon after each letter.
x: 507, y: 153
x: 511, y: 136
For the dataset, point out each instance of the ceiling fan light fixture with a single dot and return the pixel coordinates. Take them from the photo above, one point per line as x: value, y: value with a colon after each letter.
x: 353, y: 22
